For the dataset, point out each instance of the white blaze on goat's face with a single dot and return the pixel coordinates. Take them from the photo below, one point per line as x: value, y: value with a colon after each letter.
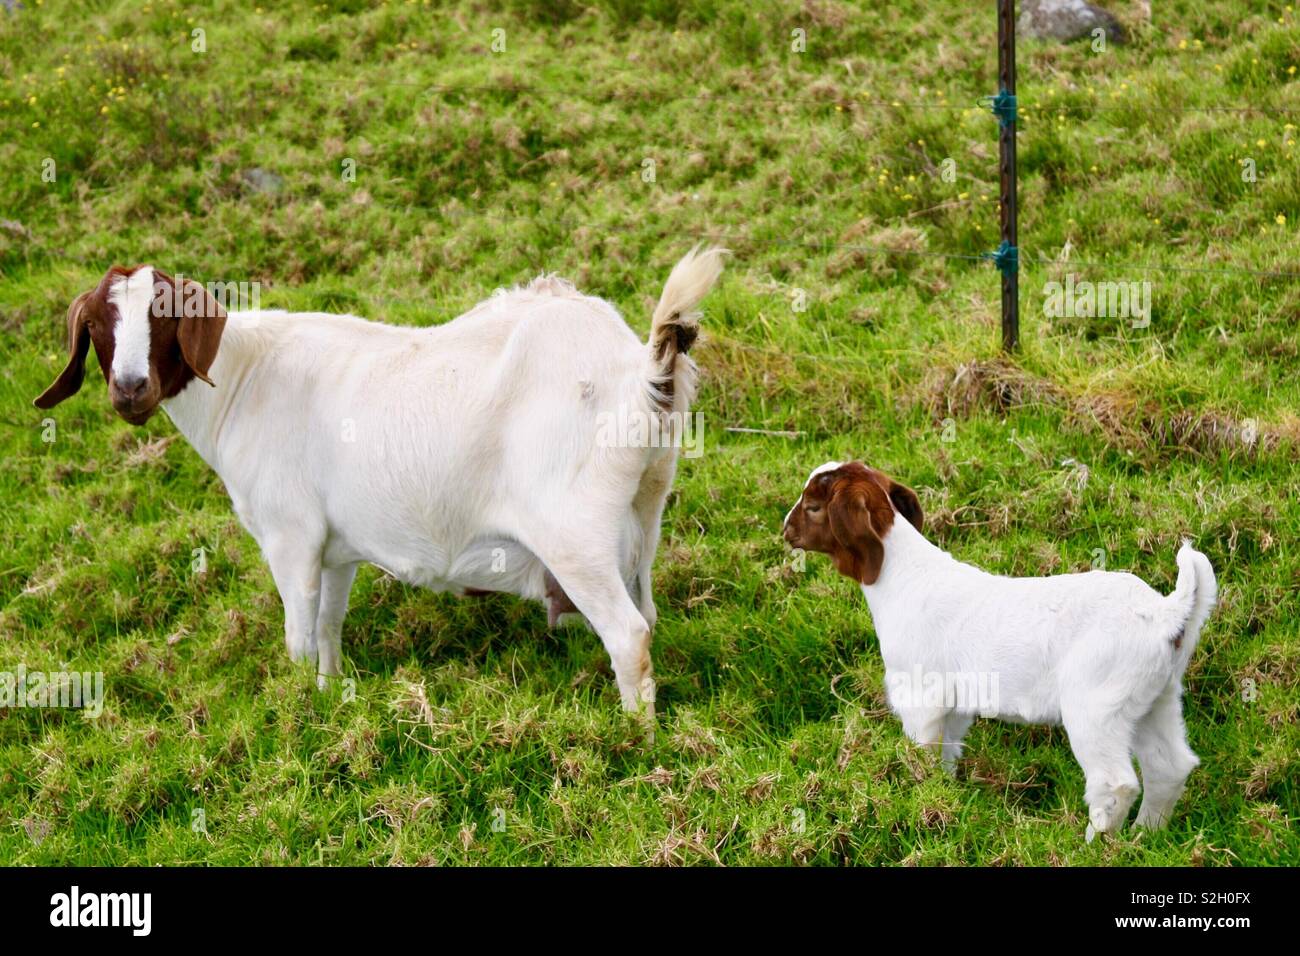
x: 133, y: 297
x: 829, y: 466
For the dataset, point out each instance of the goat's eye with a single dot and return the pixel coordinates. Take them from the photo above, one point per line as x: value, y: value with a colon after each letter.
x: 812, y: 509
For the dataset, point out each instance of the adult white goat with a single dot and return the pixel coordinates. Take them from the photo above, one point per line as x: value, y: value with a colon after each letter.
x: 472, y: 456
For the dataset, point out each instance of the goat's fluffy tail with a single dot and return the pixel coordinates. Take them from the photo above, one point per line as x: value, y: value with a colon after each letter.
x: 1192, y: 601
x: 676, y: 324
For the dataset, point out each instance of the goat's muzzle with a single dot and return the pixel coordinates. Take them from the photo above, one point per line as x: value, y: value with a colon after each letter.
x: 134, y: 400
x: 790, y: 532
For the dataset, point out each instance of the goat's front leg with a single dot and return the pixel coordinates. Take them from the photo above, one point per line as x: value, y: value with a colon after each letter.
x: 296, y: 568
x: 336, y: 585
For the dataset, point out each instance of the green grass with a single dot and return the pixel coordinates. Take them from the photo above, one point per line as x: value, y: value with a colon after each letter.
x: 774, y: 743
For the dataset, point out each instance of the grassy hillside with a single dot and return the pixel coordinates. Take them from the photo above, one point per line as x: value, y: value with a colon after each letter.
x: 476, y: 169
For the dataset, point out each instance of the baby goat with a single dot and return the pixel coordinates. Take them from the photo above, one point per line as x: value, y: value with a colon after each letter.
x: 1100, y: 652
x: 478, y: 455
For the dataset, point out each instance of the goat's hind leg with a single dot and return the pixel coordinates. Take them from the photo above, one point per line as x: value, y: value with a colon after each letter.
x: 955, y: 725
x: 592, y: 582
x: 924, y: 726
x: 1163, y: 756
x: 648, y: 506
x: 1101, y: 741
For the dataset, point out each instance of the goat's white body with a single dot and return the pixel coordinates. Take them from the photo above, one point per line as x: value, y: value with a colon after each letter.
x: 1100, y: 652
x: 463, y: 456
x: 422, y: 450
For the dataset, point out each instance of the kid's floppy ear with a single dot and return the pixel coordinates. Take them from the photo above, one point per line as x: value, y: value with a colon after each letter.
x: 860, y: 551
x: 200, y: 320
x: 70, y: 379
x: 908, y: 505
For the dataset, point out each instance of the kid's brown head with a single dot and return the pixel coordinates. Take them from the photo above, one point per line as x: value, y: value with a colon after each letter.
x: 846, y: 510
x: 152, y: 335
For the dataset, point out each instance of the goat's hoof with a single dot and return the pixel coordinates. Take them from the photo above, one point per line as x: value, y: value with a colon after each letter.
x: 1152, y: 819
x: 1089, y: 834
x: 643, y: 718
x: 326, y: 682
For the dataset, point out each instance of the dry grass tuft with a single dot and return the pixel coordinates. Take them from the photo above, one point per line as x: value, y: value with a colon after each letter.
x: 1000, y: 386
x: 997, y: 385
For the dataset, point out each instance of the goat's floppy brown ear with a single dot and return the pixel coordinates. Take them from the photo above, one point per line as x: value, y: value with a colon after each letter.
x: 70, y: 379
x: 908, y: 505
x: 860, y: 551
x: 200, y: 318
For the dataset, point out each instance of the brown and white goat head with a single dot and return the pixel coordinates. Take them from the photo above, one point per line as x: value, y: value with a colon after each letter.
x: 845, y: 510
x: 152, y: 336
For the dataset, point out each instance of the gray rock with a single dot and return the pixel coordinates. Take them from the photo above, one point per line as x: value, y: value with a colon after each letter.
x: 15, y: 229
x: 260, y: 180
x: 1065, y: 20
